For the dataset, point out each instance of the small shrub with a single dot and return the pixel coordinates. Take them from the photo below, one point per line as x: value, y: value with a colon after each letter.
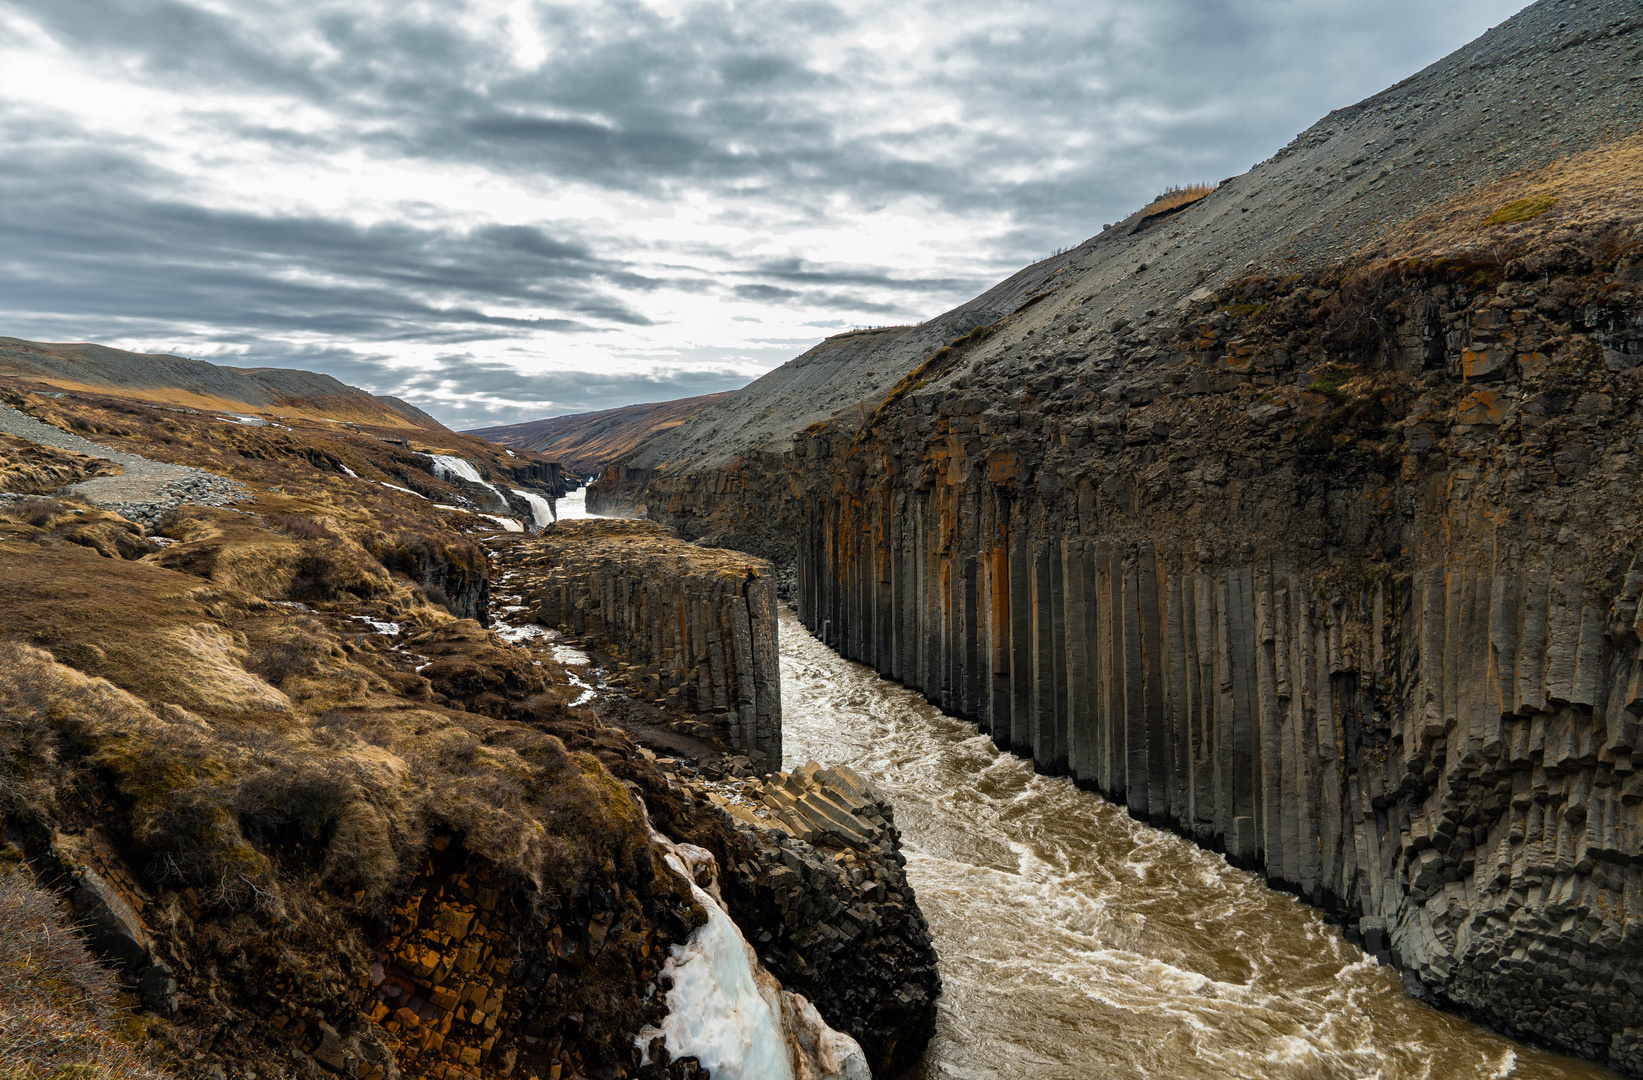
x: 1329, y: 378
x: 301, y: 527
x: 39, y: 512
x: 1177, y: 195
x: 1522, y: 210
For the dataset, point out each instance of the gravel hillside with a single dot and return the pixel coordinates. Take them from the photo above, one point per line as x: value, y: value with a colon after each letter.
x: 1556, y: 79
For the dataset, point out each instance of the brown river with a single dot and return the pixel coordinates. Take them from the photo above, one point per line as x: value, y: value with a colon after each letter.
x: 1079, y: 944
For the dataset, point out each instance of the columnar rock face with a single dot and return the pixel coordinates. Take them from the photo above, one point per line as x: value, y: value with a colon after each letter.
x: 697, y: 626
x: 1377, y: 638
x: 1303, y: 520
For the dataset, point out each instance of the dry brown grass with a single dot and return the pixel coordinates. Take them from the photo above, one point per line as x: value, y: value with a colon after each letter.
x: 1600, y: 189
x: 270, y: 775
x: 1176, y: 196
x: 32, y: 469
x: 60, y: 1015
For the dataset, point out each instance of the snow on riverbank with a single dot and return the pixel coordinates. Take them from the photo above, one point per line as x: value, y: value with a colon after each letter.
x: 728, y: 1012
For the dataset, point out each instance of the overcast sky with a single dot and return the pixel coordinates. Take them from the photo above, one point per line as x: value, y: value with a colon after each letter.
x: 508, y: 209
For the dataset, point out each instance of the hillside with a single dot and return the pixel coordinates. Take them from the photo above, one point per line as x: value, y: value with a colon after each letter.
x: 585, y: 442
x: 279, y: 739
x: 196, y: 384
x: 1554, y: 80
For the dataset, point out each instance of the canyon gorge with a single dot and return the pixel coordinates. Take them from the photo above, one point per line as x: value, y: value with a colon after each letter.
x: 1300, y: 519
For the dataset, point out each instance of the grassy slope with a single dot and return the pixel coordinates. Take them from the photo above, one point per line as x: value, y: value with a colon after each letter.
x: 274, y: 783
x: 585, y: 442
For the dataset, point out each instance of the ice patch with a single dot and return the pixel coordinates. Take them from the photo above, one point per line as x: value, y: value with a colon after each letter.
x: 518, y: 633
x: 564, y: 654
x: 588, y: 693
x: 729, y: 1013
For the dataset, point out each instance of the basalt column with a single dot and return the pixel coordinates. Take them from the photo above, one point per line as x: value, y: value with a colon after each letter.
x: 1440, y: 750
x: 696, y: 627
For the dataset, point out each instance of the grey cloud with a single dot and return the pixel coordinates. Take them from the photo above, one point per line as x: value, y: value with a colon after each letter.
x: 723, y: 103
x: 501, y: 395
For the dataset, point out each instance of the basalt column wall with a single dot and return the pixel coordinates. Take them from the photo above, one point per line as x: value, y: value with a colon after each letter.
x: 696, y: 626
x: 746, y: 503
x: 1397, y: 670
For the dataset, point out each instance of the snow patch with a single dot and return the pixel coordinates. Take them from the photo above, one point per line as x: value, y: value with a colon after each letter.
x: 731, y: 1014
x: 407, y: 491
x: 518, y: 633
x: 507, y: 523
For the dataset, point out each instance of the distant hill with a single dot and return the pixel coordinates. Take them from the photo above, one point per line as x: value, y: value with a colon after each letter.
x: 177, y: 380
x: 585, y: 442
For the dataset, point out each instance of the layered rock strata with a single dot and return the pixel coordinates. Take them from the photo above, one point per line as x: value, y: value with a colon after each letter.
x: 695, y: 627
x: 819, y: 886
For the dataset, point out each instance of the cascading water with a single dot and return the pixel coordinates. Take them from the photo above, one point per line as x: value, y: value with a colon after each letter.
x: 447, y: 467
x: 574, y: 505
x: 542, y: 514
x: 1078, y: 942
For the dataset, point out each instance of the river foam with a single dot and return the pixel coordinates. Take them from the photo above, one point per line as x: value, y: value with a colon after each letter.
x: 1076, y: 941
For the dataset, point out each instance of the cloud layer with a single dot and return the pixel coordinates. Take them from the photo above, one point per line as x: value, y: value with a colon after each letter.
x: 504, y: 210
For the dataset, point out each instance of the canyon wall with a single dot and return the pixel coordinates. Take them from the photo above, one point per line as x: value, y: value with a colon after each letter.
x: 1303, y: 519
x: 695, y: 626
x: 1371, y: 627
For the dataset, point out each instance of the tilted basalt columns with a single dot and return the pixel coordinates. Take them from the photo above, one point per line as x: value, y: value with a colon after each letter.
x: 697, y: 626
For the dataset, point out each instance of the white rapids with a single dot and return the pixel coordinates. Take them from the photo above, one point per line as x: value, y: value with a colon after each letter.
x: 574, y: 505
x: 1078, y: 942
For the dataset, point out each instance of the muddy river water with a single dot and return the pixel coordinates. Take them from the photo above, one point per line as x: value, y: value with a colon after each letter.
x: 1077, y: 943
